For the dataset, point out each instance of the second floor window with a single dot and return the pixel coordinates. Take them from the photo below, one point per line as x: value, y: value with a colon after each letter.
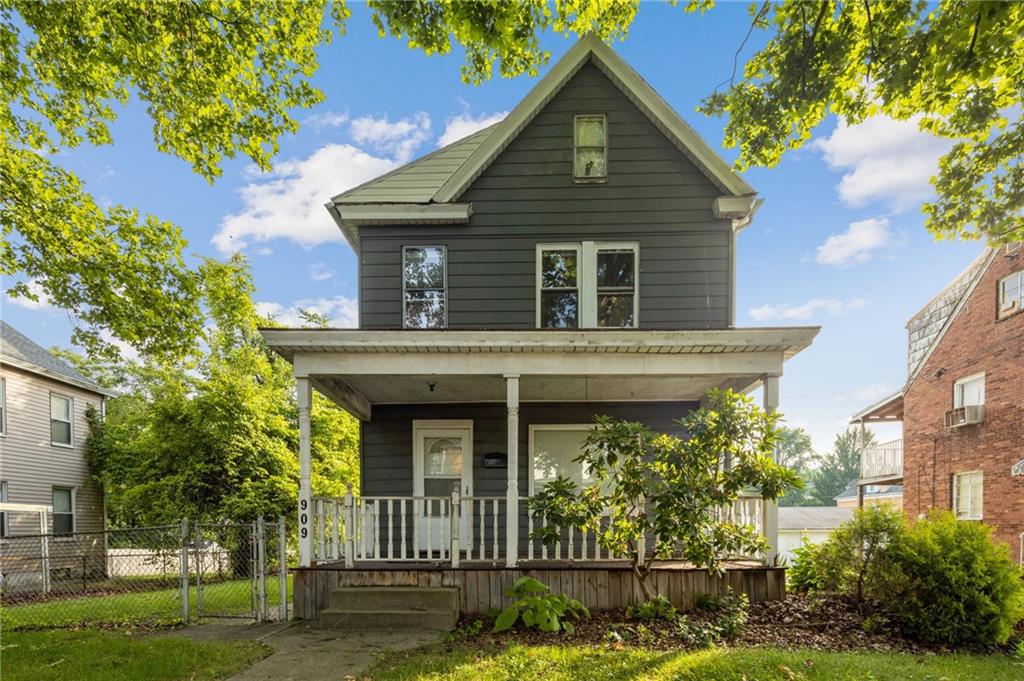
x: 587, y: 285
x: 3, y: 406
x: 424, y: 287
x: 590, y: 148
x: 969, y: 391
x: 60, y: 420
x: 1011, y: 294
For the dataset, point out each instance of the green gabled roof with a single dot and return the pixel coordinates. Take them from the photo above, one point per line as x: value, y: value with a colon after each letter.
x: 418, y: 181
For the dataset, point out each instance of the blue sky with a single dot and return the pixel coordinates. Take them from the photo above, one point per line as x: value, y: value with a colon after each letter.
x: 839, y: 241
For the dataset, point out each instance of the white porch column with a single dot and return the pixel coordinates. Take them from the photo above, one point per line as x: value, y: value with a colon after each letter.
x: 512, y: 494
x: 771, y: 508
x: 305, y: 400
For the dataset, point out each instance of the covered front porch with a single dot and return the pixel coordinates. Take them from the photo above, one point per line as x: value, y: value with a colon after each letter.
x: 459, y: 426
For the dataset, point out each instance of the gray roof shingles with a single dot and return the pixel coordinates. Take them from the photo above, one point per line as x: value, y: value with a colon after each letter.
x: 18, y: 347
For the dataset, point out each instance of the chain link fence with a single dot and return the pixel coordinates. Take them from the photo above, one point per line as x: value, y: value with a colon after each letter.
x: 146, y: 575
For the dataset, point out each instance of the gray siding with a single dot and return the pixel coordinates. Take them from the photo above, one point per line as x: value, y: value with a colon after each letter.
x: 387, y: 439
x: 31, y: 466
x: 654, y: 195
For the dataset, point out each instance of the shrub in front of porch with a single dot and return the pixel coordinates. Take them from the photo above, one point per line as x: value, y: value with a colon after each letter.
x: 671, y: 491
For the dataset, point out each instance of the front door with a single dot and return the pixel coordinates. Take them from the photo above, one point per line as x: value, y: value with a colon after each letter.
x: 442, y: 461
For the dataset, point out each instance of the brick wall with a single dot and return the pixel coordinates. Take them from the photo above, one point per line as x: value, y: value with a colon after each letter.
x: 975, y: 342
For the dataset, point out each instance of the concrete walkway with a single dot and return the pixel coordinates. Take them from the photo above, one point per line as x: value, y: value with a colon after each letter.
x: 304, y: 651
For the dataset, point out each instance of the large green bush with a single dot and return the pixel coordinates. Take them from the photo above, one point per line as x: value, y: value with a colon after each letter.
x: 952, y: 584
x: 938, y: 580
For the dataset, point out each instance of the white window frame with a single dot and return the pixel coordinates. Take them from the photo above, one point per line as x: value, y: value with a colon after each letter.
x: 70, y: 422
x: 74, y: 511
x: 3, y: 408
x: 586, y: 279
x: 1012, y: 307
x: 970, y: 513
x: 444, y: 258
x: 541, y: 427
x: 958, y: 395
x: 589, y: 179
x: 5, y: 528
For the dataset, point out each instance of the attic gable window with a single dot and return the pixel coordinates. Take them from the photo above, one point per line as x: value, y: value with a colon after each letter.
x: 424, y: 287
x: 590, y: 146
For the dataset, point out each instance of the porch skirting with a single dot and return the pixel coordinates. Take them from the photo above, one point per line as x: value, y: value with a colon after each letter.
x: 597, y: 586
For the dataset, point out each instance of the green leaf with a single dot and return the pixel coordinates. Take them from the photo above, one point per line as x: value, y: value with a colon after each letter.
x: 506, y: 619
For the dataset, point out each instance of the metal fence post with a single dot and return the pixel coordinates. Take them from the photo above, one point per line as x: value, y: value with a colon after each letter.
x: 184, y: 571
x: 44, y: 552
x: 261, y: 566
x: 282, y: 557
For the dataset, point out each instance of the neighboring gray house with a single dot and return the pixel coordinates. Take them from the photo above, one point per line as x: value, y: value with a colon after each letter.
x: 576, y: 258
x: 43, y: 401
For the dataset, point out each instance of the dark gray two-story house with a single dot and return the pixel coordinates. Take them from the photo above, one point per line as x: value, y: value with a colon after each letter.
x: 577, y: 258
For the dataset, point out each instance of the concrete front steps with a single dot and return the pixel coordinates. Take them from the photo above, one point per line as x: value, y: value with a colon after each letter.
x: 377, y: 608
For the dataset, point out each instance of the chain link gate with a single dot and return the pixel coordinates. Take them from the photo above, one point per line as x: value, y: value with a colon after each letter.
x: 238, y: 570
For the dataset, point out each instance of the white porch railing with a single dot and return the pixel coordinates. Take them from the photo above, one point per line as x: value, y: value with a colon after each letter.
x: 884, y: 460
x: 454, y: 528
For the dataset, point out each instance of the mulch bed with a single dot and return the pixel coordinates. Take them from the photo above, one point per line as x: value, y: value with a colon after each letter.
x: 797, y: 622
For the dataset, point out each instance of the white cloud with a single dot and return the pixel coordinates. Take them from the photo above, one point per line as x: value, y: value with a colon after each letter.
x: 857, y: 244
x: 36, y: 289
x: 327, y: 119
x: 883, y: 160
x: 465, y: 125
x: 264, y: 251
x: 319, y: 271
x: 289, y: 201
x: 399, y: 139
x: 341, y: 312
x: 832, y: 306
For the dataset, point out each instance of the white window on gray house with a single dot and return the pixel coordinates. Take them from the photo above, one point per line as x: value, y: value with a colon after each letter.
x: 587, y: 285
x: 553, y: 450
x: 61, y: 413
x: 424, y: 287
x: 616, y: 287
x: 3, y: 406
x: 1011, y: 294
x: 4, y: 530
x: 590, y: 148
x: 559, y: 287
x: 63, y: 510
x: 969, y: 391
x: 968, y: 490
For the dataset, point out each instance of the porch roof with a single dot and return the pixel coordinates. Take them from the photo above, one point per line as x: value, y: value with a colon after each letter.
x: 360, y: 368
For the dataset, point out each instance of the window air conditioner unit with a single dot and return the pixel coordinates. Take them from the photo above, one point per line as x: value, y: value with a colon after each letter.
x: 965, y: 416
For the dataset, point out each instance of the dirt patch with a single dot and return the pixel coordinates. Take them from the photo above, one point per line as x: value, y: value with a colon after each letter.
x: 830, y: 624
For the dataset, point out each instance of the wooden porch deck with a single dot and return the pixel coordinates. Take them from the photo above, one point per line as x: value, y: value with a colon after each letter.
x: 603, y: 585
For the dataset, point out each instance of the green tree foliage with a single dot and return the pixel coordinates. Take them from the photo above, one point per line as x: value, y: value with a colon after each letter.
x: 840, y: 465
x: 937, y: 580
x: 794, y: 450
x: 953, y: 67
x: 214, y: 437
x: 671, y: 490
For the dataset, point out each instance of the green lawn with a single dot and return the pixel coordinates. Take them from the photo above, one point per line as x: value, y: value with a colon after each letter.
x: 575, y: 663
x: 162, y: 606
x: 92, y: 655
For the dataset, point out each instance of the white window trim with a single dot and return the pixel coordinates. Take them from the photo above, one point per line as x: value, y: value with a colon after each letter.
x: 589, y: 179
x: 533, y: 429
x: 1008, y: 310
x: 586, y: 279
x: 74, y: 513
x: 71, y: 416
x: 956, y: 495
x: 964, y: 380
x: 3, y: 407
x: 444, y: 257
x: 5, y: 525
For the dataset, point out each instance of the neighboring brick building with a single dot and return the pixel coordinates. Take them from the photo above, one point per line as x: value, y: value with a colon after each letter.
x: 962, y: 407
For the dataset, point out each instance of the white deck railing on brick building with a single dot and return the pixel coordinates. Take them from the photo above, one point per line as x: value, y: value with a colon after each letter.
x: 884, y: 460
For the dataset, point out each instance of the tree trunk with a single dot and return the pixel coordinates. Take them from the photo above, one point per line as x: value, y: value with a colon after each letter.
x: 641, y: 575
